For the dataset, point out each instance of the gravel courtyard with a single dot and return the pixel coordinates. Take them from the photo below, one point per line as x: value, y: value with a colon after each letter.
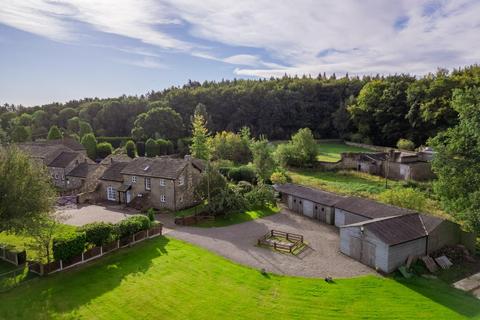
x: 238, y: 243
x: 81, y: 215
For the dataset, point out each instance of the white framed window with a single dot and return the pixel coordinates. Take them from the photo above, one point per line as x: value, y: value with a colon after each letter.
x: 111, y: 193
x: 162, y: 182
x: 181, y: 180
x: 148, y: 184
x: 134, y: 179
x: 162, y: 198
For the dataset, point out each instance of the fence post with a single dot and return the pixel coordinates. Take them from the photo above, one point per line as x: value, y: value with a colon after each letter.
x: 148, y: 233
x: 101, y: 250
x: 118, y: 243
x: 275, y: 245
x: 61, y: 265
x: 82, y: 257
x: 271, y: 233
x: 287, y: 236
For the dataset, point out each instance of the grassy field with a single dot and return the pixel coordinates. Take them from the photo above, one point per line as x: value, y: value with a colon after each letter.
x: 24, y: 242
x: 343, y: 182
x: 169, y: 279
x: 235, y: 218
x: 330, y: 151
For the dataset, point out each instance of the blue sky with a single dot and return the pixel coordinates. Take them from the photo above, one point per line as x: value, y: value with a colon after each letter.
x: 70, y: 49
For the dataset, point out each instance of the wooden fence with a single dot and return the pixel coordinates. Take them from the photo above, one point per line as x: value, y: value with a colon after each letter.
x: 95, y: 252
x: 11, y: 256
x: 296, y: 240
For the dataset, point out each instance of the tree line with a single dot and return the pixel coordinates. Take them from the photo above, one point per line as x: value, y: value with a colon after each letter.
x: 379, y: 110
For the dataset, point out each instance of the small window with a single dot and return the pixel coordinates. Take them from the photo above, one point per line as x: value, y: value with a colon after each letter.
x: 63, y: 177
x: 148, y: 184
x: 134, y: 179
x: 295, y: 200
x: 323, y: 209
x: 162, y: 198
x: 111, y: 193
x: 316, y: 207
x: 162, y: 182
x: 181, y: 180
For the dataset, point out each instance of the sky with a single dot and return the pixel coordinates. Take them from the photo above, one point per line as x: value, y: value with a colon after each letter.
x: 63, y: 50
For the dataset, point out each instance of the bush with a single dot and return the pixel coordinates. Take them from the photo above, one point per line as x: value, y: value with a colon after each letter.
x: 90, y: 143
x: 406, y: 144
x: 130, y: 149
x: 261, y: 196
x: 151, y: 214
x: 164, y: 147
x: 69, y: 245
x: 133, y: 225
x: 104, y: 149
x: 243, y: 173
x: 404, y: 197
x: 99, y: 233
x: 279, y: 177
x: 152, y: 149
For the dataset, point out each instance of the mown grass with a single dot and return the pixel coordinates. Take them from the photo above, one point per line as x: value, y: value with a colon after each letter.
x: 25, y: 242
x: 331, y: 151
x: 169, y: 279
x: 244, y: 216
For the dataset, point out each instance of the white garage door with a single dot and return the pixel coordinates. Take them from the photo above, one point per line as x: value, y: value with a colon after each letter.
x: 308, y: 208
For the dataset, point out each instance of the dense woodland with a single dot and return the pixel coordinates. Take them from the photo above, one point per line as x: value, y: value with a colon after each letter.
x: 378, y: 110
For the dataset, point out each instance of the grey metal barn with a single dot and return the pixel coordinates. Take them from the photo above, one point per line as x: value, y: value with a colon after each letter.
x: 313, y: 203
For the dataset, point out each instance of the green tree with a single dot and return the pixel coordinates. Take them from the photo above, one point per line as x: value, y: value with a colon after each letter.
x: 161, y: 122
x: 300, y: 151
x: 54, y: 133
x: 25, y: 120
x: 27, y: 194
x: 90, y: 143
x: 84, y: 128
x: 64, y: 115
x: 104, y: 149
x: 457, y: 160
x: 200, y: 147
x: 20, y: 134
x: 263, y: 159
x: 131, y: 149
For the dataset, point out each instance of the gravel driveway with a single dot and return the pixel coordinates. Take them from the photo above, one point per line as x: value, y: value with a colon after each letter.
x: 238, y: 243
x: 80, y: 215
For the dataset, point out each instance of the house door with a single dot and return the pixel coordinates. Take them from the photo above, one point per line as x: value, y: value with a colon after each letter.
x: 129, y: 196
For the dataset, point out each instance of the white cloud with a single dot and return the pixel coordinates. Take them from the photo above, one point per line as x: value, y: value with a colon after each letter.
x: 144, y: 63
x: 306, y: 36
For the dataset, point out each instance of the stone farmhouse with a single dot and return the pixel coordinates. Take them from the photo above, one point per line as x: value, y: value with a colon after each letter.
x: 160, y: 182
x: 378, y: 235
x: 66, y: 161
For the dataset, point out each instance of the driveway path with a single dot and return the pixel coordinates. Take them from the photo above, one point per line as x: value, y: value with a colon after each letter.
x: 238, y: 243
x: 83, y: 214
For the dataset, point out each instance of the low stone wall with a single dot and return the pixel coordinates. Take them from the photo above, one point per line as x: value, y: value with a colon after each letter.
x: 367, y: 146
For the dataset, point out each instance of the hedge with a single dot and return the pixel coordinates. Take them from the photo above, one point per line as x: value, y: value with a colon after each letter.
x: 69, y: 245
x: 99, y: 233
x: 242, y: 173
x: 116, y: 142
x: 133, y: 225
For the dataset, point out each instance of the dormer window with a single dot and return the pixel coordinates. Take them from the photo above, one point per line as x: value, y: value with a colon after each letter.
x: 181, y: 180
x: 162, y: 182
x: 134, y: 179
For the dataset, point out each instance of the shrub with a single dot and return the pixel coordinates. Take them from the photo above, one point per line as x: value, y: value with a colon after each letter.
x: 279, y: 177
x: 90, y: 143
x: 151, y: 214
x: 99, y: 233
x: 104, y: 149
x: 243, y: 173
x: 130, y: 149
x: 69, y: 245
x: 404, y: 197
x: 260, y: 196
x: 405, y: 144
x: 116, y: 142
x: 164, y: 147
x: 151, y: 148
x: 133, y: 225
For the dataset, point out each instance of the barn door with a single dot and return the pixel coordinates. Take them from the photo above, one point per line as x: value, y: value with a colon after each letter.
x: 368, y: 254
x: 308, y: 208
x: 356, y: 248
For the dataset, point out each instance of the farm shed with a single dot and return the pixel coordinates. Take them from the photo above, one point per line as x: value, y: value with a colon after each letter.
x: 352, y: 210
x: 314, y: 203
x: 384, y: 243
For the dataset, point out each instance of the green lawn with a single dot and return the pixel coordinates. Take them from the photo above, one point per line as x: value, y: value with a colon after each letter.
x: 169, y: 279
x: 330, y: 151
x: 343, y: 182
x: 24, y: 242
x: 235, y: 218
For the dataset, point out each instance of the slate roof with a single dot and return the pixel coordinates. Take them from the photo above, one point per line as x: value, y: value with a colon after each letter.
x: 160, y: 167
x: 315, y: 195
x: 63, y: 159
x: 67, y: 142
x: 395, y: 230
x: 115, y: 158
x: 369, y: 208
x: 113, y: 173
x: 83, y: 170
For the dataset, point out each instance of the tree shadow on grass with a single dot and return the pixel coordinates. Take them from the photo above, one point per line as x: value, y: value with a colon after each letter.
x: 69, y: 290
x: 440, y: 292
